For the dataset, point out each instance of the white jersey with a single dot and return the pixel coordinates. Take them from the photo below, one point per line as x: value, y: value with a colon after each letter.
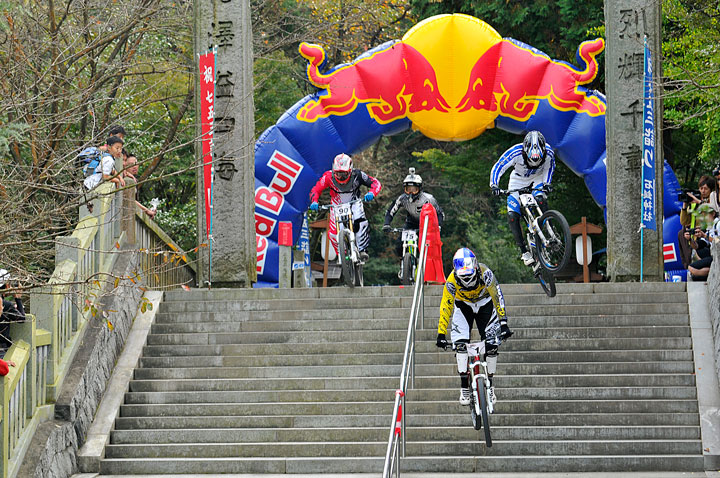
x: 512, y: 158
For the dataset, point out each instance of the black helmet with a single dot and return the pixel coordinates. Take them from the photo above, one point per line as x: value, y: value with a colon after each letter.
x: 533, y: 150
x: 412, y: 179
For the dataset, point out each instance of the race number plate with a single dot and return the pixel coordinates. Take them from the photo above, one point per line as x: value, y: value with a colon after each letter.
x: 342, y: 210
x: 409, y: 235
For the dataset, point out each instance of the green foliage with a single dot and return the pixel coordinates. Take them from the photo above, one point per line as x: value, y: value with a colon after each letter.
x: 276, y: 88
x: 180, y: 223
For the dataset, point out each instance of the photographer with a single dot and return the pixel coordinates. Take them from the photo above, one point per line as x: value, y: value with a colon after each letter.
x: 9, y: 312
x: 707, y: 189
x: 700, y: 240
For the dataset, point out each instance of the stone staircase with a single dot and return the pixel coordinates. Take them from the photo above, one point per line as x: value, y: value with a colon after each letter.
x: 599, y: 378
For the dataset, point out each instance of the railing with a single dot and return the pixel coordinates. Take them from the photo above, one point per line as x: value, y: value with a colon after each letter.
x: 397, y: 426
x: 44, y: 348
x: 166, y: 264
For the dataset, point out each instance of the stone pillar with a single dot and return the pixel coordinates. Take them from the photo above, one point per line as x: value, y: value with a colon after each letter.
x: 626, y: 23
x: 226, y: 24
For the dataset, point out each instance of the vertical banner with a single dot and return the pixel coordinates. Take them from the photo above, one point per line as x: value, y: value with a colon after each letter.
x: 648, y: 146
x: 304, y: 245
x: 207, y: 121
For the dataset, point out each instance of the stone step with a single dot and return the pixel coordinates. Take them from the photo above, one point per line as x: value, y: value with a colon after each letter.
x: 351, y: 395
x: 441, y: 420
x: 393, y: 291
x: 397, y: 325
x: 422, y: 346
x: 431, y: 407
x: 447, y: 464
x: 422, y: 336
x: 390, y: 319
x: 421, y: 383
x: 243, y: 435
x: 563, y: 368
x: 420, y: 358
x: 652, y: 305
x: 426, y: 448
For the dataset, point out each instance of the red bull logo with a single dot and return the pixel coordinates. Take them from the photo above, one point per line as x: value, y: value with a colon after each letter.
x: 450, y: 88
x: 392, y: 82
x: 497, y: 85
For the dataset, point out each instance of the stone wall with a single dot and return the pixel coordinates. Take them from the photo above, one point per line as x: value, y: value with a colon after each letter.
x: 53, y: 452
x: 714, y: 296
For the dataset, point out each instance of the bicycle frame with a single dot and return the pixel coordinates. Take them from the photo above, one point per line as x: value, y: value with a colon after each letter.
x: 343, y: 215
x: 477, y: 368
x: 409, y: 242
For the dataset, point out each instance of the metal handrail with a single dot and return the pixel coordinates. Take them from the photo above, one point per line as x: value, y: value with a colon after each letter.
x: 397, y: 427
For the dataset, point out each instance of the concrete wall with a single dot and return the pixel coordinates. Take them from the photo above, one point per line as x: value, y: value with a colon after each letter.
x: 53, y: 452
x: 714, y: 296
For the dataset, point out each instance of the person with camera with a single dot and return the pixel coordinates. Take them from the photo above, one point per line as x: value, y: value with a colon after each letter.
x: 700, y: 239
x: 706, y: 194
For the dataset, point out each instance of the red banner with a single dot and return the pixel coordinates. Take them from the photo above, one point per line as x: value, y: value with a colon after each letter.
x: 207, y: 119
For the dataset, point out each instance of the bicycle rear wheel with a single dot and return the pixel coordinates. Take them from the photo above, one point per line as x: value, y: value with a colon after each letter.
x: 547, y: 281
x: 554, y: 253
x: 482, y: 391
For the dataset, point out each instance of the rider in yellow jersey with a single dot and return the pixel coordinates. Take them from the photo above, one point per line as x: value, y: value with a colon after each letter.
x: 472, y: 294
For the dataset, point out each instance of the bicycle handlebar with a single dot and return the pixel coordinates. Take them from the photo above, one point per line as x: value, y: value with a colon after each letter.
x: 525, y: 190
x: 330, y: 206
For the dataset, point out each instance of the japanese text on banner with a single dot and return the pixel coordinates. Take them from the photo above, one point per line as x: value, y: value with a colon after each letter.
x: 207, y: 121
x: 648, y: 156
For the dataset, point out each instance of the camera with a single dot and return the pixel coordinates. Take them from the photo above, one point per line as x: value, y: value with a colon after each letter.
x: 683, y: 196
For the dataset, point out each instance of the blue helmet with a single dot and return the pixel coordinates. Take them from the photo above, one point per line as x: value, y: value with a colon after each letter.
x: 465, y: 267
x: 533, y: 150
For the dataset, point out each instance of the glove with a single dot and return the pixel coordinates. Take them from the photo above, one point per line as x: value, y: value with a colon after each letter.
x: 495, y: 190
x: 548, y: 188
x: 505, y: 332
x: 441, y: 341
x: 369, y: 197
x: 386, y: 227
x: 314, y: 206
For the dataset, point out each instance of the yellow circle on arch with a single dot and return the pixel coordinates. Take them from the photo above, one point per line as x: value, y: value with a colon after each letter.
x: 452, y: 44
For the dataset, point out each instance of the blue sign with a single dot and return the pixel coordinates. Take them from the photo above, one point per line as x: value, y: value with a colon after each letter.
x: 304, y: 245
x: 648, y: 167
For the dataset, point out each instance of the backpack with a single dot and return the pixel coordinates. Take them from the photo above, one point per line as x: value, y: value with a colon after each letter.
x: 90, y: 159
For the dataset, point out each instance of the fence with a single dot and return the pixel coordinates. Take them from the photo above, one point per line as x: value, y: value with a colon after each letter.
x: 46, y: 343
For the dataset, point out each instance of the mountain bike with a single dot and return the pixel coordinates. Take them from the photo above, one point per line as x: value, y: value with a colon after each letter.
x: 481, y: 406
x: 547, y: 238
x: 348, y: 253
x: 409, y: 254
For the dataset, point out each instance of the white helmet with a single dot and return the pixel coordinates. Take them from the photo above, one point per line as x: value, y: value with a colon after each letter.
x: 342, y: 167
x: 412, y: 179
x: 466, y: 269
x: 4, y: 277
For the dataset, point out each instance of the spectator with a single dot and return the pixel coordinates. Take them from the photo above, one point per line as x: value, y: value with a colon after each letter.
x: 9, y: 312
x: 106, y: 169
x: 701, y: 241
x: 716, y: 173
x: 130, y: 170
x: 707, y: 185
x: 118, y: 131
x: 4, y: 369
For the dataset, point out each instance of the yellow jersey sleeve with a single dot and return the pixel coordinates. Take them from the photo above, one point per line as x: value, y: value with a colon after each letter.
x: 447, y: 304
x: 493, y: 288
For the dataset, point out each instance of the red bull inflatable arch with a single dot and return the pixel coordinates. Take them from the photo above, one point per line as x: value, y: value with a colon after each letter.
x: 451, y: 77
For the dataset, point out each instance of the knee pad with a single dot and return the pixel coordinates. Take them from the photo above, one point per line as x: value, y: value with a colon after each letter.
x: 461, y: 356
x: 513, y: 217
x: 542, y: 202
x: 491, y: 356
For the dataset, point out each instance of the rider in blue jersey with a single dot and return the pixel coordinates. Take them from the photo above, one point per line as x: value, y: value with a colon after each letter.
x: 533, y: 161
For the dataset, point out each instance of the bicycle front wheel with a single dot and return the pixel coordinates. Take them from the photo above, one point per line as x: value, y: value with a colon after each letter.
x: 554, y: 251
x: 348, y: 268
x: 482, y: 391
x: 407, y: 269
x: 476, y: 419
